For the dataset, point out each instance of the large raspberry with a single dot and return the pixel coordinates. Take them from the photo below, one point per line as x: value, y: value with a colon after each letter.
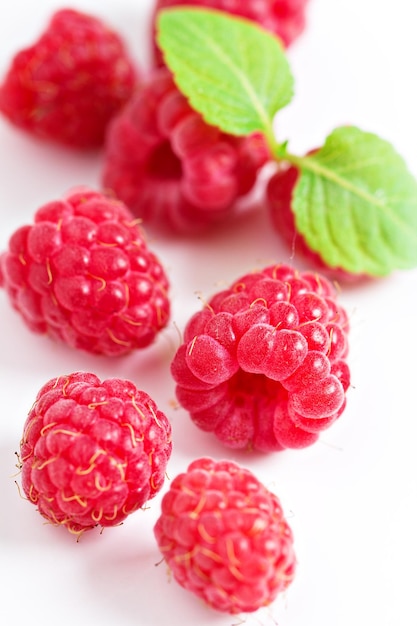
x: 224, y: 536
x: 284, y: 18
x: 263, y: 363
x: 70, y: 83
x: 93, y: 452
x: 83, y: 274
x: 170, y: 167
x: 279, y: 192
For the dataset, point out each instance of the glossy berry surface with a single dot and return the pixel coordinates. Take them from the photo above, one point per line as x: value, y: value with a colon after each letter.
x: 69, y: 84
x: 279, y: 193
x: 92, y: 451
x: 263, y: 364
x: 224, y: 536
x: 83, y: 274
x: 284, y: 18
x: 171, y: 168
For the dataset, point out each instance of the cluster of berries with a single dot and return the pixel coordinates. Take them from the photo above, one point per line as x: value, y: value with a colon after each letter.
x: 262, y: 365
x: 161, y: 159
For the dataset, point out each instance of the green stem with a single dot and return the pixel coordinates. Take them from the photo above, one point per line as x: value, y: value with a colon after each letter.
x: 280, y: 153
x: 309, y: 164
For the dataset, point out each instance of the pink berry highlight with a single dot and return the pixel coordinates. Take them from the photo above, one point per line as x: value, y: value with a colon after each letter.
x: 263, y: 364
x: 225, y: 538
x: 92, y: 452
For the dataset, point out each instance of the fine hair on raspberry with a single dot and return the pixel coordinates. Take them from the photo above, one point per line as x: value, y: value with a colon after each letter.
x: 92, y: 452
x: 224, y: 536
x: 84, y: 274
x: 263, y: 364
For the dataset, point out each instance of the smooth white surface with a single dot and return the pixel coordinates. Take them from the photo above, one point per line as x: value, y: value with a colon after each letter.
x: 350, y: 498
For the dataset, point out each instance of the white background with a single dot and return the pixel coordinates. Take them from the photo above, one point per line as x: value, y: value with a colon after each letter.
x: 351, y: 497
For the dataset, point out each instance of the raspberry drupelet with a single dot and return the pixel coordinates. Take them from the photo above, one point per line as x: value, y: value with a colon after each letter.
x: 225, y: 538
x: 92, y: 452
x: 263, y: 364
x: 83, y: 274
x: 69, y: 84
x: 284, y: 18
x: 170, y: 167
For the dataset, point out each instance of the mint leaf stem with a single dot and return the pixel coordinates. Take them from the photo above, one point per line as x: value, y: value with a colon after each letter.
x: 355, y: 202
x: 308, y: 164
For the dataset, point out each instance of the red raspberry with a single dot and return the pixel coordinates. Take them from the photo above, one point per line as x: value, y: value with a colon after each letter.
x: 83, y: 274
x: 224, y: 536
x: 284, y: 18
x: 279, y: 200
x: 93, y: 452
x: 69, y: 84
x: 170, y: 167
x: 263, y: 363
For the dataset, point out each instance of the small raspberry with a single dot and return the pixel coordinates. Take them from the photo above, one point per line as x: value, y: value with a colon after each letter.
x: 263, y: 363
x: 170, y: 167
x: 83, y: 274
x: 224, y: 536
x: 69, y: 84
x: 93, y: 452
x: 284, y: 18
x: 279, y: 191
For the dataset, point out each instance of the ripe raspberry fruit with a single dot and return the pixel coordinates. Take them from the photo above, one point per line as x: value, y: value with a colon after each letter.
x: 93, y: 452
x: 279, y: 192
x: 83, y: 274
x: 284, y: 18
x: 170, y: 167
x: 69, y: 84
x: 262, y: 365
x: 224, y: 536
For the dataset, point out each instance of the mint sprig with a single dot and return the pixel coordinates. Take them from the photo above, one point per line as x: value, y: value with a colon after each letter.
x: 356, y: 204
x: 355, y: 201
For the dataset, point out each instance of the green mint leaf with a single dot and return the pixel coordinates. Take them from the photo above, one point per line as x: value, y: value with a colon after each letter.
x: 356, y: 204
x: 232, y: 71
